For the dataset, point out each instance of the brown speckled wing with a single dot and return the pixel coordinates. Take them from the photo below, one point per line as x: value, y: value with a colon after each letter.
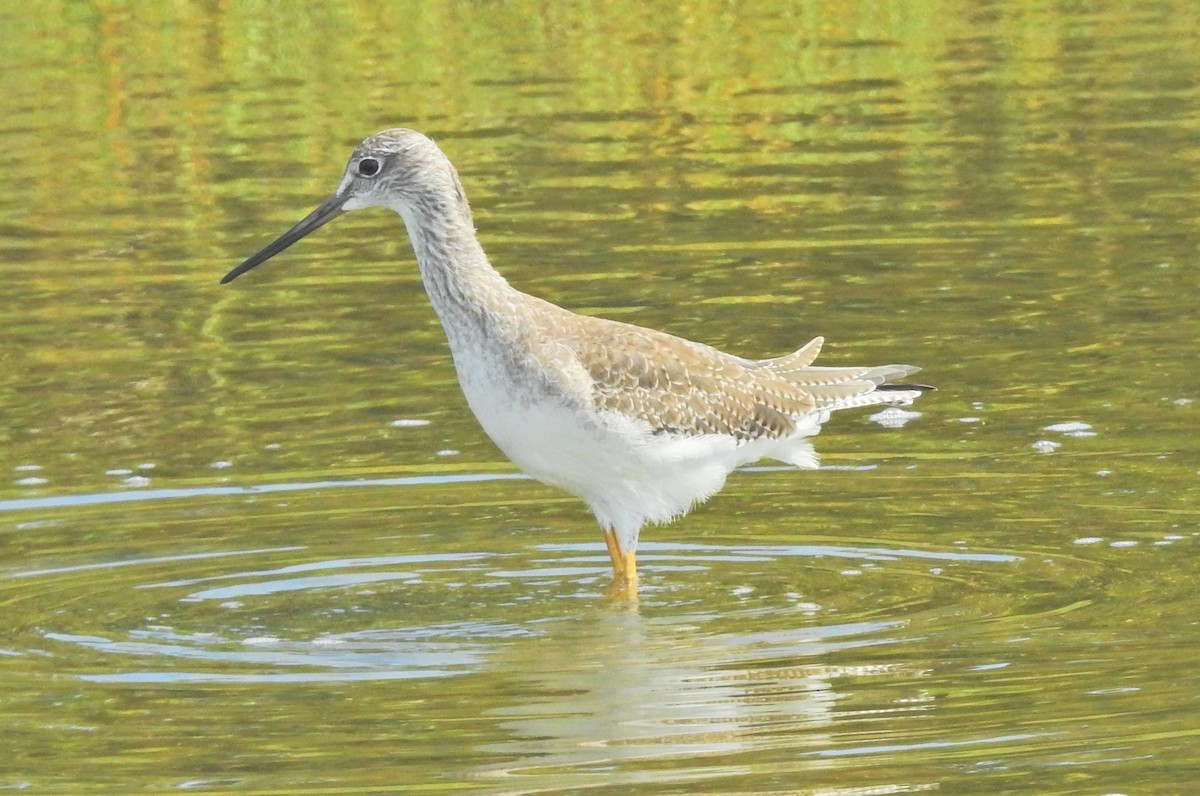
x: 680, y: 387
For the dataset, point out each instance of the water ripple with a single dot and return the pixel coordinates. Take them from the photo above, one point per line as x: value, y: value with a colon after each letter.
x: 98, y: 498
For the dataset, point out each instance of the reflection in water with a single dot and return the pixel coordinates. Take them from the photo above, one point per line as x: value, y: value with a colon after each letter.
x: 634, y: 672
x: 648, y: 689
x: 558, y: 688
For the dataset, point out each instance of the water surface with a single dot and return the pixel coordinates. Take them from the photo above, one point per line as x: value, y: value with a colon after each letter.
x: 253, y: 540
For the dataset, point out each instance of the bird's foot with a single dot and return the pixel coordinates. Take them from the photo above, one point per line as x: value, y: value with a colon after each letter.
x: 624, y: 563
x: 622, y: 590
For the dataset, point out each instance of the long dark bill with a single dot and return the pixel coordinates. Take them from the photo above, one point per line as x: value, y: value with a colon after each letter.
x: 330, y: 209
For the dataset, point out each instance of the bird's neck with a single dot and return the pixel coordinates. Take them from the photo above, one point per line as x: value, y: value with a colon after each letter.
x: 463, y: 287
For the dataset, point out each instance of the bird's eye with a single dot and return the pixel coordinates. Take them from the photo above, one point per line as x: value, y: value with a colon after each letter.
x: 368, y: 167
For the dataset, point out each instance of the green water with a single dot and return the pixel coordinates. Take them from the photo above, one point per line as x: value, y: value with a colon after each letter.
x: 252, y: 540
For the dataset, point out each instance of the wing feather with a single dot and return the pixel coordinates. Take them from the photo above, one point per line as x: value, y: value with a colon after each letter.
x: 680, y: 387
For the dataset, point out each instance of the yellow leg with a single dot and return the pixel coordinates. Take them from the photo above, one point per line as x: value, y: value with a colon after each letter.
x: 624, y: 563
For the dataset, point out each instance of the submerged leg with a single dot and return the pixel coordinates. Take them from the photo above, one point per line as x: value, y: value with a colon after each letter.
x: 624, y: 562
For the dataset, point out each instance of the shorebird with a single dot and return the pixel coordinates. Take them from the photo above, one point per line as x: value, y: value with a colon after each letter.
x: 640, y: 424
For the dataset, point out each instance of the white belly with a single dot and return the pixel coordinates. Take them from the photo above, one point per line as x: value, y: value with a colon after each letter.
x: 624, y: 473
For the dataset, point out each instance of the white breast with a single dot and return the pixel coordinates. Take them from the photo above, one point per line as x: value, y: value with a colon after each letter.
x: 624, y: 472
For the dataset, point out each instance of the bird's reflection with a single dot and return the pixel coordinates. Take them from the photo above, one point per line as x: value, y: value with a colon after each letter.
x: 617, y: 686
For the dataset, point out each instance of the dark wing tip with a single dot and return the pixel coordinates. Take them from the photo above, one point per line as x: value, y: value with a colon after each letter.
x: 917, y: 387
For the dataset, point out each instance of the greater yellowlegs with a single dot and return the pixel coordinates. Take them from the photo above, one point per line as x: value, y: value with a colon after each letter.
x: 638, y: 423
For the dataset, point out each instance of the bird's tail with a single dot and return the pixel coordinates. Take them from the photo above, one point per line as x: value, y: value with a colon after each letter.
x: 844, y: 388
